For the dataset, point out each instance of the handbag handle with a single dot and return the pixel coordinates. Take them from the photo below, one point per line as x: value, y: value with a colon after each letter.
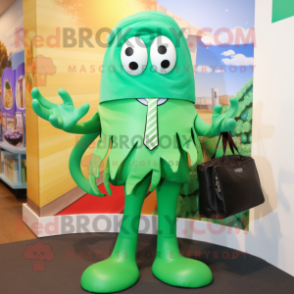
x: 227, y: 138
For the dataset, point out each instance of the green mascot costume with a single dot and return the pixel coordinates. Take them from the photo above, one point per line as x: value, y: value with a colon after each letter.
x: 148, y: 122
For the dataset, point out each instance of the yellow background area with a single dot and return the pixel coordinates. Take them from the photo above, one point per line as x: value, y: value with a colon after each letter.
x: 77, y: 71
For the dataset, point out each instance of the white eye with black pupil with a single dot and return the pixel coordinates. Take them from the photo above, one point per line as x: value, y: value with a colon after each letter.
x: 163, y: 54
x: 134, y: 56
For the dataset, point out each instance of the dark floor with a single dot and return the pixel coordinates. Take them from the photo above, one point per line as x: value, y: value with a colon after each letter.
x: 233, y: 271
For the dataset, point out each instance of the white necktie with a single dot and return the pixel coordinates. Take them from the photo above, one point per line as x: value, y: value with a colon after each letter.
x: 151, y: 129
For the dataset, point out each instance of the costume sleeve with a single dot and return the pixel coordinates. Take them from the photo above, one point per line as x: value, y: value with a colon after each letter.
x: 90, y: 126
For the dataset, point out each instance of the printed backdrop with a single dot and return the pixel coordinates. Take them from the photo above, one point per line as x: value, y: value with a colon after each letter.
x: 220, y: 36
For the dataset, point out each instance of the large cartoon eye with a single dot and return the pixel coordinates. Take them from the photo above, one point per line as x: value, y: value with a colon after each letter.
x: 163, y: 54
x: 134, y: 56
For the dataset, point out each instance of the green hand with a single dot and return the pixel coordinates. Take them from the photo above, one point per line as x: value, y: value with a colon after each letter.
x: 61, y: 116
x: 223, y: 122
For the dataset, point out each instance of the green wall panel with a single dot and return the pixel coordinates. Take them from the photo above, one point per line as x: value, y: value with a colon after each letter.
x: 282, y: 9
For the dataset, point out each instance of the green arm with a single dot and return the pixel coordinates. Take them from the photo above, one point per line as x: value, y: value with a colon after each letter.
x: 65, y: 116
x: 88, y: 127
x: 221, y: 122
x: 202, y: 128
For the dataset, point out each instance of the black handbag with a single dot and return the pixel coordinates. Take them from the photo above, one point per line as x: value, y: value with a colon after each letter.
x: 229, y: 184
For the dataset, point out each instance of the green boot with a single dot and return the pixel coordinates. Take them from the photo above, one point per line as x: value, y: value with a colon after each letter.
x: 170, y: 266
x: 116, y: 273
x: 120, y: 270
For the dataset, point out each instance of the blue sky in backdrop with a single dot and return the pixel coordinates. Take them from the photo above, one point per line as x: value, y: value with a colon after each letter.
x: 219, y: 66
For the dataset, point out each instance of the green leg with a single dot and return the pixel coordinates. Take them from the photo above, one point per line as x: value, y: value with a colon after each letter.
x: 169, y: 265
x: 120, y: 270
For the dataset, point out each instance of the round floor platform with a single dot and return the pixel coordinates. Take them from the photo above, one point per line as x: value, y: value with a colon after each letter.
x: 234, y: 272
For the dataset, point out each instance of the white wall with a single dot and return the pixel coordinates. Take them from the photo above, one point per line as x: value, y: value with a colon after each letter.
x: 273, y: 138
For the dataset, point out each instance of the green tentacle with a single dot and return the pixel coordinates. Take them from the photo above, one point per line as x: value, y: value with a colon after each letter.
x: 188, y: 146
x: 98, y: 155
x: 75, y: 162
x: 106, y: 174
x: 156, y: 176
